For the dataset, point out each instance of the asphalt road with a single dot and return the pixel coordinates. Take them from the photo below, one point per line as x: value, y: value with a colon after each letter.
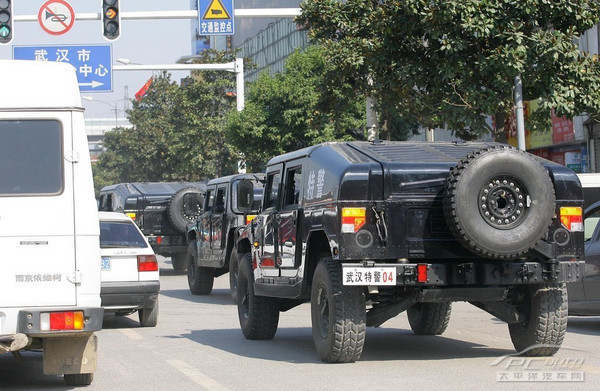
x: 198, y: 345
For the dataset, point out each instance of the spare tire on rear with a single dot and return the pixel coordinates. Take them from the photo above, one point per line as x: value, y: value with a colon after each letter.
x: 499, y: 202
x: 184, y: 209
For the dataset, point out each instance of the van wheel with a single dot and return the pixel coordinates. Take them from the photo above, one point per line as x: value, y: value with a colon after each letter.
x: 233, y: 274
x: 149, y: 315
x: 545, y: 326
x: 499, y: 202
x: 338, y: 314
x: 429, y: 318
x: 200, y: 279
x: 259, y: 315
x: 184, y: 210
x: 79, y: 379
x: 179, y: 261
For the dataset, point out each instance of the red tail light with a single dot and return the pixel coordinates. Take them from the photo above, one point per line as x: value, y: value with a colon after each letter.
x: 353, y: 219
x: 159, y: 240
x: 147, y: 263
x: 572, y: 218
x: 72, y: 320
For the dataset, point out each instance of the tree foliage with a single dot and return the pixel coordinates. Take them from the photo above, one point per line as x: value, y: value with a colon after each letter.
x: 294, y: 109
x: 178, y: 132
x: 452, y: 63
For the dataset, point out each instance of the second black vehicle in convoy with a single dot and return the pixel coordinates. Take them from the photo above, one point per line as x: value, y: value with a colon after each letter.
x: 162, y: 210
x: 230, y: 203
x: 367, y: 230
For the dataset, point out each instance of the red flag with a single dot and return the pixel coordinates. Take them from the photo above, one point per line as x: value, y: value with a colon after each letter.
x: 143, y: 91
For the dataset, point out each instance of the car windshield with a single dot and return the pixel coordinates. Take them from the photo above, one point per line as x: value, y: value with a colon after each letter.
x: 120, y: 234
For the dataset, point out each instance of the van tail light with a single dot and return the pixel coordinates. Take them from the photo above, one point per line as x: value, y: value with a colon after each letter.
x: 131, y: 214
x: 147, y: 263
x: 68, y: 320
x: 249, y: 218
x: 572, y: 218
x: 353, y: 219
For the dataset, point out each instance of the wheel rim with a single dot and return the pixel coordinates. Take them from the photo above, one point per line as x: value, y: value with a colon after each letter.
x: 502, y: 202
x: 323, y: 308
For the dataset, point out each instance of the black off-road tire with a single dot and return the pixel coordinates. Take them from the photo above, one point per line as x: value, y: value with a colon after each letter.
x: 179, y: 262
x: 180, y: 214
x: 429, y: 318
x: 79, y: 379
x: 338, y: 315
x: 544, y: 330
x: 149, y: 315
x: 258, y: 315
x: 233, y: 274
x: 499, y: 202
x: 200, y: 279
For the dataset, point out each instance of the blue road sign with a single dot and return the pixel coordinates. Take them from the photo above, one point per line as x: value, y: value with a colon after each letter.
x: 92, y: 62
x: 215, y: 17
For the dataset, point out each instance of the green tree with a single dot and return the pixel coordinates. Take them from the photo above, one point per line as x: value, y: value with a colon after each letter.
x: 295, y: 109
x: 452, y: 63
x: 178, y: 131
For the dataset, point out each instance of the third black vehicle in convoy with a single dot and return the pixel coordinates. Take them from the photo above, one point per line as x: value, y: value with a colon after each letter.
x: 162, y: 210
x: 367, y: 230
x: 230, y: 203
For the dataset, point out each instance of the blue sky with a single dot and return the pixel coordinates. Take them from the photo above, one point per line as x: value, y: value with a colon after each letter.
x: 141, y: 41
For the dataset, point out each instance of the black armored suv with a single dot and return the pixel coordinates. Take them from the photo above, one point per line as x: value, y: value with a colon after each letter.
x: 162, y: 210
x: 230, y: 203
x: 367, y: 230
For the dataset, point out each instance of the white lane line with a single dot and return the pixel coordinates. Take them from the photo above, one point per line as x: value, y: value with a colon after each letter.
x: 196, y: 376
x: 131, y: 334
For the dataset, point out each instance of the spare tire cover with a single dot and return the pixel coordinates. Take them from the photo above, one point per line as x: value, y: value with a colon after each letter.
x: 180, y: 212
x: 499, y: 202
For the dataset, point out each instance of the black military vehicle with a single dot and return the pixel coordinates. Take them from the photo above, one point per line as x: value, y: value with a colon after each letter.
x: 162, y: 210
x: 367, y: 230
x: 230, y: 203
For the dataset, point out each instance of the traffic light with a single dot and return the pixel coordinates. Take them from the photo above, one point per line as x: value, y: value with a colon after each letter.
x: 111, y: 19
x: 6, y: 21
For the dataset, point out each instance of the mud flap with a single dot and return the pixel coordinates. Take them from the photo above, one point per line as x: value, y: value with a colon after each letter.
x: 70, y: 355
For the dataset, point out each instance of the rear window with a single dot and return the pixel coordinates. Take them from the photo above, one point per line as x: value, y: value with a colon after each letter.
x: 120, y: 234
x: 31, y: 157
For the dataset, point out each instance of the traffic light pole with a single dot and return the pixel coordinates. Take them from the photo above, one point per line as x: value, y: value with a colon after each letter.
x: 182, y: 14
x: 236, y: 66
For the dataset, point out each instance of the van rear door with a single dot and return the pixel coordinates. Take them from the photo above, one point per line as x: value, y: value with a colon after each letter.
x: 36, y: 210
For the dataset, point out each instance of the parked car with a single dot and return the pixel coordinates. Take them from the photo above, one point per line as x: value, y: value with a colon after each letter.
x: 584, y: 295
x: 130, y: 276
x: 162, y: 210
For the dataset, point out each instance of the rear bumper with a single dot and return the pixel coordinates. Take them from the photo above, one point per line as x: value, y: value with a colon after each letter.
x: 168, y: 245
x: 129, y: 295
x: 461, y: 274
x: 28, y: 322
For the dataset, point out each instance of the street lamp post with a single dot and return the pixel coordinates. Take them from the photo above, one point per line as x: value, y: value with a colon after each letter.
x: 112, y: 106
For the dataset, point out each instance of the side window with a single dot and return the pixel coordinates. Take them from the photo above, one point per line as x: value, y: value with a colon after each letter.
x: 293, y: 186
x: 272, y: 191
x: 220, y: 200
x: 590, y: 224
x: 209, y: 201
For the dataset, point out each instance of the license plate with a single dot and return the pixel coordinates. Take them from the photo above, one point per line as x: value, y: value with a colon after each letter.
x: 105, y: 263
x: 369, y: 276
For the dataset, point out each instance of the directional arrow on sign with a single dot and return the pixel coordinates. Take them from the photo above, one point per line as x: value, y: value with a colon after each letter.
x: 92, y: 84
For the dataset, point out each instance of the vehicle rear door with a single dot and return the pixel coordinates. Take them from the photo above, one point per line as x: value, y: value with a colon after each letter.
x: 269, y: 227
x: 290, y: 215
x: 204, y: 229
x: 37, y: 210
x: 218, y: 223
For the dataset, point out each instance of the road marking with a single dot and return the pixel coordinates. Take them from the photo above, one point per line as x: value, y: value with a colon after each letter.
x: 196, y: 376
x: 131, y: 334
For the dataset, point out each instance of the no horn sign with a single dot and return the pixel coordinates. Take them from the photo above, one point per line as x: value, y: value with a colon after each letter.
x: 56, y: 17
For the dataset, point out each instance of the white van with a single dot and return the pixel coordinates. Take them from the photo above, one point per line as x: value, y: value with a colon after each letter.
x: 49, y: 229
